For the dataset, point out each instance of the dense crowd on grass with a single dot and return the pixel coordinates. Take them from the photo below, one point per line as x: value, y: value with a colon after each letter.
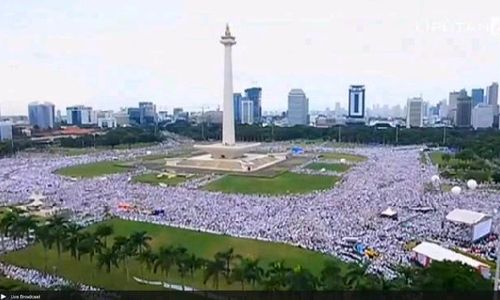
x: 60, y: 235
x: 391, y: 177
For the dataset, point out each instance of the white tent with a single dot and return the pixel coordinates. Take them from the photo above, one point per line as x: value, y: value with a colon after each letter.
x: 389, y: 212
x: 426, y: 252
x: 480, y: 223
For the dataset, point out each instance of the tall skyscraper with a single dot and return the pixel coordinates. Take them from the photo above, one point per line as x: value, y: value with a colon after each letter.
x: 298, y: 108
x: 477, y: 96
x: 134, y: 115
x: 41, y: 115
x: 247, y: 111
x: 79, y: 115
x: 147, y: 112
x: 237, y: 98
x: 452, y: 105
x: 464, y: 110
x: 492, y: 92
x: 357, y: 102
x: 254, y: 94
x: 415, y: 112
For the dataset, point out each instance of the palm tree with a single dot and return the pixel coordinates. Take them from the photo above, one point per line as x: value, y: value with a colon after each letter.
x: 103, y: 231
x: 107, y: 257
x: 140, y: 241
x: 214, y: 269
x: 355, y: 276
x: 89, y: 244
x: 57, y: 224
x: 124, y: 250
x: 276, y: 277
x: 147, y: 258
x: 301, y: 279
x: 73, y: 239
x: 165, y: 260
x: 331, y: 278
x: 226, y: 256
x: 194, y: 263
x: 182, y: 262
x: 43, y: 235
x: 9, y: 221
x: 252, y: 272
x: 26, y: 224
x: 238, y: 275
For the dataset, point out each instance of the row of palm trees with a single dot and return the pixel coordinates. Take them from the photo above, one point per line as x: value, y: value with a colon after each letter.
x: 225, y: 266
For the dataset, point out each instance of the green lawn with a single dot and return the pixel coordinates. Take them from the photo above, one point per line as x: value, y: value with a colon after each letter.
x: 436, y: 157
x: 328, y: 167
x: 202, y: 244
x: 346, y: 156
x: 95, y: 169
x: 7, y: 284
x: 150, y: 178
x: 285, y: 183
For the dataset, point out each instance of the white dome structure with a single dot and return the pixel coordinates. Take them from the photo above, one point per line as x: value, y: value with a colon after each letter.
x: 472, y: 184
x: 456, y: 190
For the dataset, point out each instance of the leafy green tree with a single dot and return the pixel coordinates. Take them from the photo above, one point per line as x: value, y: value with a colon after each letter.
x: 355, y: 276
x: 44, y: 236
x: 227, y: 256
x: 450, y: 276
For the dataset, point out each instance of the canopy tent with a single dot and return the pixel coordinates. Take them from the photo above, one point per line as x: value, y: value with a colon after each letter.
x: 426, y: 252
x: 465, y: 216
x: 389, y: 213
x: 478, y: 224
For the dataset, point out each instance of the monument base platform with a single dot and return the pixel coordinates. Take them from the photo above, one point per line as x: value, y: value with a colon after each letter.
x: 248, y: 163
x: 221, y: 151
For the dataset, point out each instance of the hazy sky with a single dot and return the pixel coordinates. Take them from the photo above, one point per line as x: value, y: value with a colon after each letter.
x: 109, y: 54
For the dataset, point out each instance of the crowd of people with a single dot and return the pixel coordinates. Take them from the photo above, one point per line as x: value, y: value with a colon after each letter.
x: 390, y: 177
x: 41, y: 279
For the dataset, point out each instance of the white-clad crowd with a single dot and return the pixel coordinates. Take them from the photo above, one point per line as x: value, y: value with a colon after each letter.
x: 391, y: 177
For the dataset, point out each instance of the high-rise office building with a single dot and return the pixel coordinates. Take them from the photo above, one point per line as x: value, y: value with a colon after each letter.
x: 492, y: 93
x: 298, y: 108
x: 452, y: 105
x: 442, y: 109
x: 147, y: 112
x: 41, y: 115
x: 477, y: 96
x: 464, y: 110
x: 134, y: 115
x: 415, y: 112
x: 177, y: 111
x: 254, y: 94
x: 237, y: 98
x: 482, y: 116
x: 247, y: 112
x: 79, y: 115
x: 5, y: 131
x: 356, y: 102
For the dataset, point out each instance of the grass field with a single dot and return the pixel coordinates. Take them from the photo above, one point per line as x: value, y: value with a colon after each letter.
x: 436, y: 157
x: 202, y: 244
x: 94, y: 169
x: 282, y: 184
x: 328, y: 167
x: 150, y: 178
x: 346, y: 156
x: 7, y: 284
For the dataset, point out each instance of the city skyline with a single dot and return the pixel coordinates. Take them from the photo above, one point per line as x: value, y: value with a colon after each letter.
x: 88, y: 53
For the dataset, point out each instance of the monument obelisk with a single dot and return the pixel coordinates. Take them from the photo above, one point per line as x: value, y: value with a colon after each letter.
x: 228, y: 155
x: 228, y: 135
